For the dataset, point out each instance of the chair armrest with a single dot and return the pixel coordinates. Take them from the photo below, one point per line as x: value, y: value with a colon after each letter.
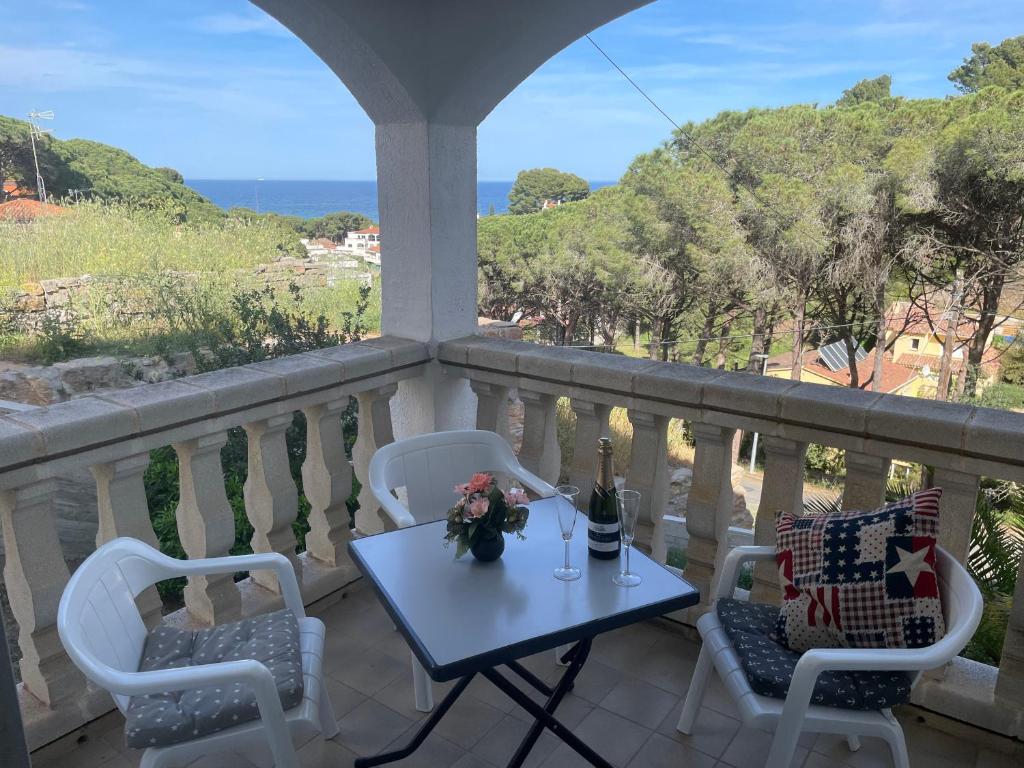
x: 264, y: 561
x: 731, y: 566
x: 533, y: 482
x: 396, y: 511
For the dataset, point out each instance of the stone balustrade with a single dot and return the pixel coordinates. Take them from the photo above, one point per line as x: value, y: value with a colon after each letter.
x: 113, y: 433
x: 961, y: 443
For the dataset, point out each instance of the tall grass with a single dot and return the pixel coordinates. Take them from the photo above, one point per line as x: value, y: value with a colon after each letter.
x: 115, y: 239
x: 620, y: 430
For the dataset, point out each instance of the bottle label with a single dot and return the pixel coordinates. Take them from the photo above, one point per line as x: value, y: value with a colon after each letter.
x: 603, y: 537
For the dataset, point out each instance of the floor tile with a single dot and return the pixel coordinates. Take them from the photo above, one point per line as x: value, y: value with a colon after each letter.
x: 499, y: 744
x: 668, y: 663
x: 325, y: 754
x: 469, y: 760
x: 750, y: 746
x: 370, y: 727
x: 370, y: 672
x: 343, y: 698
x: 872, y: 752
x: 434, y: 752
x: 468, y: 721
x: 571, y: 711
x: 662, y: 752
x: 712, y: 734
x: 596, y: 680
x: 613, y: 737
x: 936, y: 749
x: 640, y: 702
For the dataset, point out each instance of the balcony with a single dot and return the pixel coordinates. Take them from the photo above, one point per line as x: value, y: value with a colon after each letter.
x: 965, y: 715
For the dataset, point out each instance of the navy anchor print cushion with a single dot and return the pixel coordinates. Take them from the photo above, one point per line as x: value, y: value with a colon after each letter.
x: 769, y: 666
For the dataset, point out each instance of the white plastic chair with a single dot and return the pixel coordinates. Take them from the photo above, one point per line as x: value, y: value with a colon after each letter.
x: 104, y: 635
x: 428, y: 467
x: 962, y: 605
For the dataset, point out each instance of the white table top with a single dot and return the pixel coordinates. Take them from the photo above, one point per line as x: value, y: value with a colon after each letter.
x: 461, y: 616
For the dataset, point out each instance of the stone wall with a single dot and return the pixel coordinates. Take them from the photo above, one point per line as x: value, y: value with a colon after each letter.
x: 34, y: 301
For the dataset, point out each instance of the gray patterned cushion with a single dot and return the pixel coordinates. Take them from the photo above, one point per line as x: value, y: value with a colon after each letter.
x: 769, y: 665
x: 159, y: 719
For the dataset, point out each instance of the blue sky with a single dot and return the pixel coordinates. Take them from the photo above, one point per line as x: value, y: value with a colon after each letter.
x: 220, y: 90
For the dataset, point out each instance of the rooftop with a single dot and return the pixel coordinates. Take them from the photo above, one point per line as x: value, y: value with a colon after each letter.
x: 625, y: 703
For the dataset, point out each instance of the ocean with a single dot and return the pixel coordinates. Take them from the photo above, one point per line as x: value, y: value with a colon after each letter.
x: 310, y: 199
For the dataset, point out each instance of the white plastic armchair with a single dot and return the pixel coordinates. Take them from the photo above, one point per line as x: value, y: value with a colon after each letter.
x: 104, y: 635
x: 428, y: 467
x: 962, y: 606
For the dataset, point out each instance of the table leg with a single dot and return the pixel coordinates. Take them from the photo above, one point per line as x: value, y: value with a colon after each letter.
x: 529, y: 677
x: 575, y: 657
x: 422, y: 733
x: 544, y: 718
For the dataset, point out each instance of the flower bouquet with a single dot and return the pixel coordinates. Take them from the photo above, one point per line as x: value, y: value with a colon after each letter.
x: 482, y: 515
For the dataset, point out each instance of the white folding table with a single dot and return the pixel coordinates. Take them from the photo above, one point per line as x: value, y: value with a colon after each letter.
x: 462, y: 617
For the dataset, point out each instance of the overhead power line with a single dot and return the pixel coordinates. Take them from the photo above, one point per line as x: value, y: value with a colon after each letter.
x: 780, y: 217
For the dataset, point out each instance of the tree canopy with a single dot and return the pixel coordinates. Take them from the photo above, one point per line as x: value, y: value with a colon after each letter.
x: 877, y: 90
x: 531, y: 188
x: 1001, y: 65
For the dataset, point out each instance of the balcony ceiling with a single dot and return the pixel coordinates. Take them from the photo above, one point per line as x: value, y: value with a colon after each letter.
x: 447, y: 61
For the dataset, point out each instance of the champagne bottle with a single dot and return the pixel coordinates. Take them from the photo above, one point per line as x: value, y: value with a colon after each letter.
x: 603, y: 527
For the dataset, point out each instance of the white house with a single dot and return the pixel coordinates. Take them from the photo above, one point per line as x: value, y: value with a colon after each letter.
x: 361, y: 239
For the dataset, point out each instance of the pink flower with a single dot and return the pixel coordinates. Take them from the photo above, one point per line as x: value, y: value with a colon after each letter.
x: 515, y: 497
x: 480, y: 482
x: 477, y: 508
x: 463, y: 489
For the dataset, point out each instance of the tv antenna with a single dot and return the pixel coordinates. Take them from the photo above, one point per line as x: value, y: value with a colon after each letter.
x: 35, y: 132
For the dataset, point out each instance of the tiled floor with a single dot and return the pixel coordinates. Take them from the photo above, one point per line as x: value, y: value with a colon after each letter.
x: 625, y: 704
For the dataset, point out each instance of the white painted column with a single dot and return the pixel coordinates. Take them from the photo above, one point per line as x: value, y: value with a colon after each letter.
x: 957, y: 508
x: 648, y: 473
x: 540, y: 452
x: 591, y: 425
x: 327, y: 483
x: 374, y: 430
x: 426, y: 176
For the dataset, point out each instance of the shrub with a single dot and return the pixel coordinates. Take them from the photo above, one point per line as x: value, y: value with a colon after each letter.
x: 260, y: 328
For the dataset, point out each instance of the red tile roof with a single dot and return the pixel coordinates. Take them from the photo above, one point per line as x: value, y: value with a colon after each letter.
x: 989, y: 361
x: 323, y: 242
x: 11, y: 189
x: 26, y: 210
x: 374, y: 248
x: 911, y: 320
x: 374, y: 230
x: 894, y: 376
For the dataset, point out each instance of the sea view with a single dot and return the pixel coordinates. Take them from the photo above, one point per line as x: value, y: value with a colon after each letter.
x: 310, y: 199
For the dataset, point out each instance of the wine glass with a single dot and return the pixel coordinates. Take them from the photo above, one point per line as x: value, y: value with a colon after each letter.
x: 565, y: 504
x: 628, y: 503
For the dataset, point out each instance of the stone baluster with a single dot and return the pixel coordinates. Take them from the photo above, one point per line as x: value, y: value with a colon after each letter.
x: 956, y: 510
x: 782, y: 489
x: 327, y: 483
x: 540, y: 452
x: 206, y: 527
x: 35, y: 575
x: 866, y: 477
x: 271, y: 498
x: 648, y: 473
x: 492, y: 407
x: 709, y: 510
x: 375, y: 430
x: 1010, y: 682
x: 124, y: 511
x: 591, y: 424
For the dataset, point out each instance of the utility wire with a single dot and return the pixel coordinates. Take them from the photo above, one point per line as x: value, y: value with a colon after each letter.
x: 780, y: 217
x: 809, y: 330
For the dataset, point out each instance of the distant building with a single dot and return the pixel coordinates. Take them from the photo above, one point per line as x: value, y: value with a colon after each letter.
x: 11, y: 190
x: 550, y: 204
x: 372, y: 255
x: 24, y: 210
x: 360, y: 239
x: 896, y: 379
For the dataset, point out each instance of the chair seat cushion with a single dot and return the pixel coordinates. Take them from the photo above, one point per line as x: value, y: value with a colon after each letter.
x: 769, y: 666
x: 160, y: 719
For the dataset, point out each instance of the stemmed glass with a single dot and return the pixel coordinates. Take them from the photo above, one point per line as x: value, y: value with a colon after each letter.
x: 628, y: 503
x: 565, y: 504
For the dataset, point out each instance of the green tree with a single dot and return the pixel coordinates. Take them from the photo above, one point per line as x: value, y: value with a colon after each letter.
x: 531, y: 188
x: 334, y: 226
x: 877, y: 90
x: 1001, y: 65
